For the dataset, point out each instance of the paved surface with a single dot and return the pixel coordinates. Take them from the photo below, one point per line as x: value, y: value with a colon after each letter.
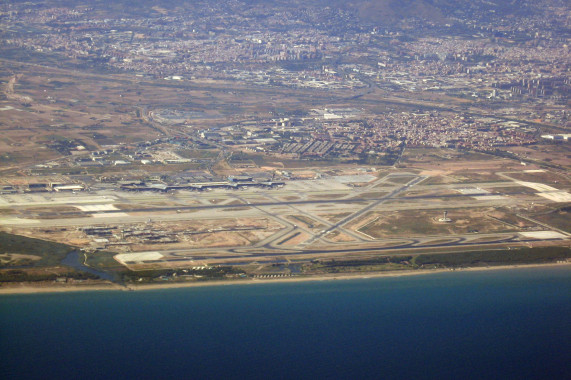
x: 313, y: 200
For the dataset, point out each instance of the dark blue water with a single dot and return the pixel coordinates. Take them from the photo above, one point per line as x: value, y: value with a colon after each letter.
x: 481, y: 325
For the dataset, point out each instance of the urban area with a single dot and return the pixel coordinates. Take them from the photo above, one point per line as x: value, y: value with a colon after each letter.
x: 165, y: 142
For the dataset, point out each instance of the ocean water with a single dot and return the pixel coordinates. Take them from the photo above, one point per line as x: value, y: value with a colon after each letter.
x: 505, y: 324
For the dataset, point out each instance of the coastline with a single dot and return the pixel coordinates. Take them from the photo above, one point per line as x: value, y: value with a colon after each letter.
x: 24, y: 288
x: 28, y: 288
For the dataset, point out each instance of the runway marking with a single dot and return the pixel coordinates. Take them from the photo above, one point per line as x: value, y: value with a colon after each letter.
x: 489, y: 197
x: 18, y: 221
x: 537, y: 186
x: 556, y: 196
x: 543, y: 235
x: 123, y: 258
x: 104, y: 207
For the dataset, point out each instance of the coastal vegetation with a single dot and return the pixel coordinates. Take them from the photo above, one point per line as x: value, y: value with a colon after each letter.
x: 48, y: 253
x: 209, y: 273
x: 19, y: 275
x: 102, y: 260
x: 26, y: 259
x: 516, y: 256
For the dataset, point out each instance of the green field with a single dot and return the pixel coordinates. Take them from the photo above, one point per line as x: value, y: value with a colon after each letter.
x: 50, y: 253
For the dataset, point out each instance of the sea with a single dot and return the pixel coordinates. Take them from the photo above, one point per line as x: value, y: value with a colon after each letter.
x: 498, y: 324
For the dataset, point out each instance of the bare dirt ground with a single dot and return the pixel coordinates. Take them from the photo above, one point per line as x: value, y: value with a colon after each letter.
x: 425, y: 222
x: 165, y: 235
x: 337, y: 236
x: 551, y: 178
x: 556, y: 153
x: 294, y: 239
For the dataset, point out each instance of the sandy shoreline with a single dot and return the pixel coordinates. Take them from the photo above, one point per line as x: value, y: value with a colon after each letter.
x: 22, y: 288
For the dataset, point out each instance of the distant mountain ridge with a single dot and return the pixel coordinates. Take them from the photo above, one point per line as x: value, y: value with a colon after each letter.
x: 384, y: 10
x: 368, y: 11
x: 439, y: 11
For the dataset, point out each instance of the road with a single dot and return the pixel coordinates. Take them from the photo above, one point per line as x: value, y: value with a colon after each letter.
x: 249, y: 256
x: 283, y: 206
x: 377, y: 202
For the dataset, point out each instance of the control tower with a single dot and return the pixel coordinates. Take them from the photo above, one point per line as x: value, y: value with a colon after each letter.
x: 445, y: 218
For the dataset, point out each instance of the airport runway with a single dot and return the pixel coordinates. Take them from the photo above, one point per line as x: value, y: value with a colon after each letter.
x: 409, y: 248
x: 99, y: 208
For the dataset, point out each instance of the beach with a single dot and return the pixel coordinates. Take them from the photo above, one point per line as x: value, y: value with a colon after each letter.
x: 28, y: 288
